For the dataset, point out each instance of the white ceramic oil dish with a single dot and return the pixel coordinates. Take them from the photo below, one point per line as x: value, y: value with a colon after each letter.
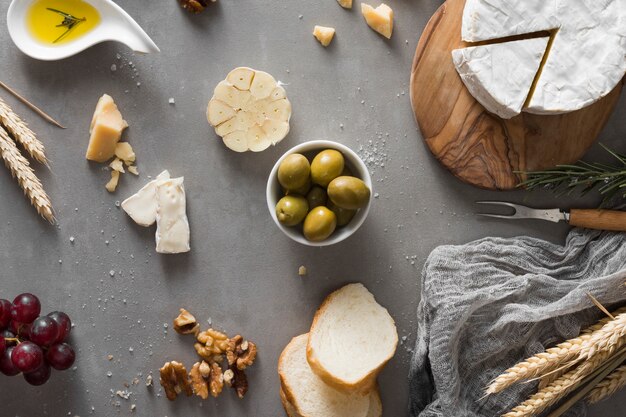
x: 357, y: 166
x: 115, y: 25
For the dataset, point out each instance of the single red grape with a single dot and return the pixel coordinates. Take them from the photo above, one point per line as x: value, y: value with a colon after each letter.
x: 44, y: 331
x: 5, y: 313
x: 39, y: 376
x: 27, y: 356
x: 7, y: 334
x: 26, y: 308
x: 63, y: 323
x: 6, y: 364
x: 21, y: 330
x: 60, y: 356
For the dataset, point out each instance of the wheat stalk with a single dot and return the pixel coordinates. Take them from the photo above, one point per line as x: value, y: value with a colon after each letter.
x: 547, y: 362
x: 557, y: 390
x: 605, y: 341
x: 609, y: 386
x: 22, y: 133
x: 26, y: 178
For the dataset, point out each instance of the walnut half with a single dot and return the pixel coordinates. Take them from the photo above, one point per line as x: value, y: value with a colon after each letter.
x: 211, y: 345
x: 175, y: 380
x: 186, y: 323
x: 194, y: 6
x: 240, y: 353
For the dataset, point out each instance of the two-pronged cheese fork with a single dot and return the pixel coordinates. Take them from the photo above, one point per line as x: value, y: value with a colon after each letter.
x: 598, y: 219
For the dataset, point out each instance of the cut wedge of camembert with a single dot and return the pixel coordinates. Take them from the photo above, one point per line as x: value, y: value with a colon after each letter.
x: 500, y: 75
x: 585, y: 59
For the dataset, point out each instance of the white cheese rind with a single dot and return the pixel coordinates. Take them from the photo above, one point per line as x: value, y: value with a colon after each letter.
x: 142, y: 206
x: 500, y: 75
x: 172, y: 235
x: 588, y: 55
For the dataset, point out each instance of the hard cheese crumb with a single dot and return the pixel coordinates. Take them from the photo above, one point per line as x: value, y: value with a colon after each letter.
x: 380, y: 19
x: 324, y: 34
x: 302, y: 271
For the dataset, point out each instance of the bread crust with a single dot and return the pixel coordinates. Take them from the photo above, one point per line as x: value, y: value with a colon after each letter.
x: 366, y: 384
x: 283, y: 382
x: 290, y: 410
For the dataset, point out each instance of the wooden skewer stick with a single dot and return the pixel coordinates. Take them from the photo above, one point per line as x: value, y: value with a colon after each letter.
x: 32, y: 106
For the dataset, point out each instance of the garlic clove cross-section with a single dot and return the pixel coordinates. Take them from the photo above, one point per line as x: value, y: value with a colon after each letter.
x: 249, y: 110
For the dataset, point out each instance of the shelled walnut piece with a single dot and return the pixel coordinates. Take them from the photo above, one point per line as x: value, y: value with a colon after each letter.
x: 175, y: 380
x: 240, y: 353
x: 211, y: 345
x: 186, y: 323
x: 195, y: 6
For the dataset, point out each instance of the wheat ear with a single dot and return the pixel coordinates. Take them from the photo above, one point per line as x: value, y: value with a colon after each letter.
x: 26, y: 178
x: 22, y: 133
x: 607, y: 340
x: 547, y: 361
x: 609, y: 385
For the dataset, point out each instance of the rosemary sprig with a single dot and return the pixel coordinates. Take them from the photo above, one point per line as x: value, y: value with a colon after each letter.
x: 609, y: 180
x: 69, y: 22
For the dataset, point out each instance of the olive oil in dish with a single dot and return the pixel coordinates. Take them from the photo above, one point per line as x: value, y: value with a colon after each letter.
x: 55, y: 22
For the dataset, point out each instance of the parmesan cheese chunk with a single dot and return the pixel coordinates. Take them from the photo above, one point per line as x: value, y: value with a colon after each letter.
x: 142, y: 206
x: 111, y: 186
x: 106, y: 129
x: 172, y: 235
x: 125, y: 152
x: 346, y: 4
x: 324, y: 34
x: 380, y: 19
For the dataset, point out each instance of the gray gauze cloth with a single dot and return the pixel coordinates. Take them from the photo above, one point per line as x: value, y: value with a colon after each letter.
x: 491, y: 303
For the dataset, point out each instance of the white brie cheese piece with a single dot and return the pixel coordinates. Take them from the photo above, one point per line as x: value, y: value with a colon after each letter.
x: 500, y: 75
x: 142, y: 206
x: 587, y: 57
x: 172, y: 235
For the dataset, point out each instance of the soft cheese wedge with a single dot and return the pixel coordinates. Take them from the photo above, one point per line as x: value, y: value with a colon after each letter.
x: 172, y: 234
x: 501, y: 75
x: 351, y: 325
x: 380, y: 19
x: 142, y: 206
x: 324, y: 34
x: 249, y: 110
x: 106, y: 129
x: 586, y: 58
x: 308, y: 394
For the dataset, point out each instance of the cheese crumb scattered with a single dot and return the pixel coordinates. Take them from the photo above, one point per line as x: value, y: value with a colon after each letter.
x: 117, y: 165
x: 112, y: 184
x: 302, y: 271
x: 346, y: 4
x: 324, y: 34
x: 125, y: 152
x: 380, y: 19
x: 133, y: 170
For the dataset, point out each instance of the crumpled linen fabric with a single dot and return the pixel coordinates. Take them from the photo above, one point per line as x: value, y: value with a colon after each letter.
x: 488, y: 304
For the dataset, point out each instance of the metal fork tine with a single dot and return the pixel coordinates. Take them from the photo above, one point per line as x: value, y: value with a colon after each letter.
x: 501, y: 203
x: 497, y: 216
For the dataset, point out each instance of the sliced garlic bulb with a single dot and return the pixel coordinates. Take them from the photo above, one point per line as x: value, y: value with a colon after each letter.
x: 249, y: 110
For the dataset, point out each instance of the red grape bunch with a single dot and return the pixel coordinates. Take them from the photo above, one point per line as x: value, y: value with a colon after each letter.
x: 30, y: 344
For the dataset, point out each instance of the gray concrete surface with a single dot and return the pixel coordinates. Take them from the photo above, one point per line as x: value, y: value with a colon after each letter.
x: 242, y: 272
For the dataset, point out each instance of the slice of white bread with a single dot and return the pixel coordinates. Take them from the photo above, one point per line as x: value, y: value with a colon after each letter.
x: 375, y: 408
x: 351, y: 339
x: 308, y: 394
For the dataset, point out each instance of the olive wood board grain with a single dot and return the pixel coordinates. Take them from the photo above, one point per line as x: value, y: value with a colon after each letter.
x: 478, y: 147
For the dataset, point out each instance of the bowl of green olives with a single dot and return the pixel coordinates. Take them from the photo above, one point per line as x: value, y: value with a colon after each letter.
x: 319, y: 193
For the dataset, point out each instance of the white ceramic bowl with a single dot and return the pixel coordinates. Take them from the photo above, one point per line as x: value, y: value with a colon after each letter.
x: 115, y: 25
x: 274, y: 191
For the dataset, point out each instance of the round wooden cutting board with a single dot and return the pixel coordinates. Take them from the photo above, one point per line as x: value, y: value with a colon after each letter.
x: 476, y: 146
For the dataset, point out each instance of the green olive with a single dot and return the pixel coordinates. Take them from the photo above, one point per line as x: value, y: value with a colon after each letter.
x: 316, y: 197
x: 348, y: 192
x: 291, y: 210
x: 294, y: 172
x: 302, y: 190
x: 319, y: 224
x: 326, y: 166
x: 344, y: 216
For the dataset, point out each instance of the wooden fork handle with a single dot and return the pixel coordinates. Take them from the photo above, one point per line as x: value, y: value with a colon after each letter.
x: 612, y: 220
